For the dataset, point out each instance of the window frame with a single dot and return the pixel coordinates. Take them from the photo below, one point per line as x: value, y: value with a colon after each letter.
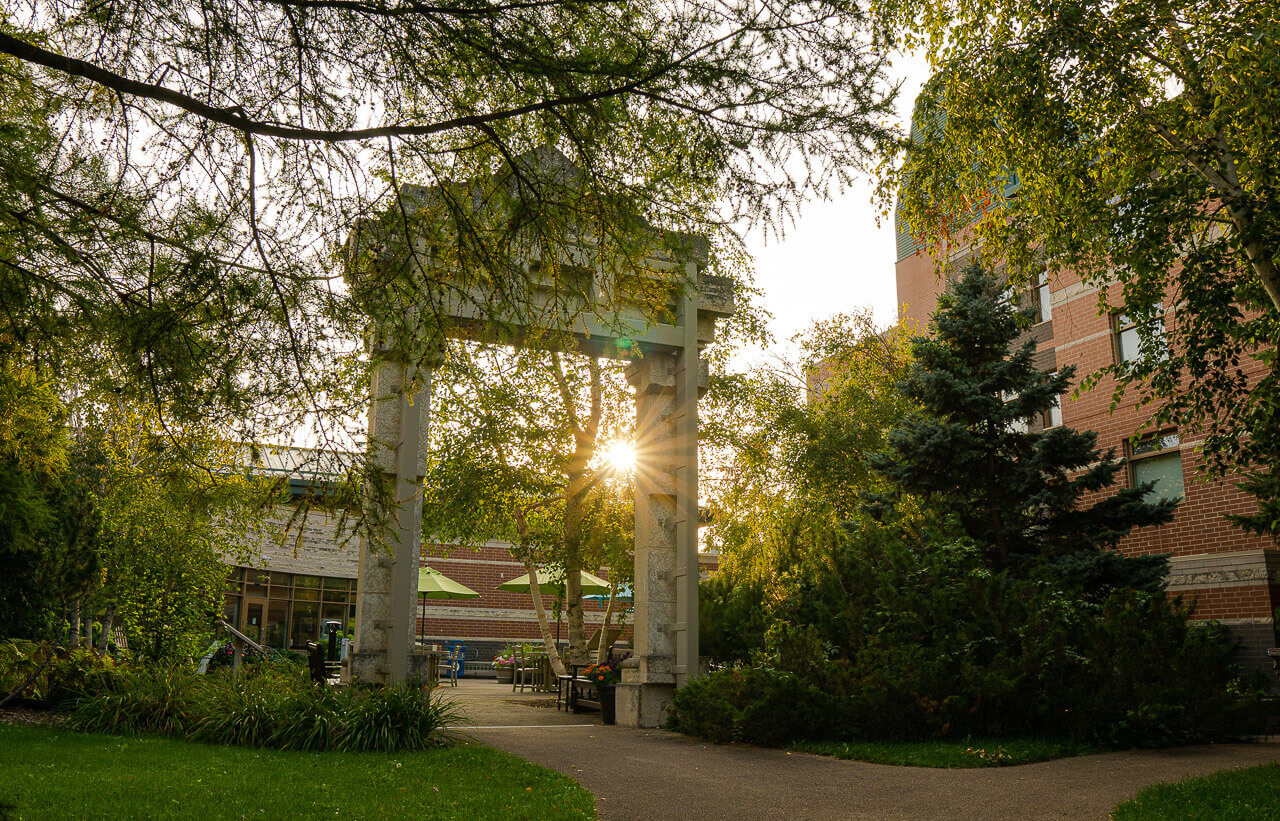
x: 1047, y: 417
x: 1043, y: 298
x: 1168, y: 441
x: 1123, y: 323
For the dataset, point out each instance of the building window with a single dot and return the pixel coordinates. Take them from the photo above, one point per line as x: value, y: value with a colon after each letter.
x: 1135, y: 338
x: 1015, y: 425
x: 1044, y: 300
x: 285, y: 611
x: 1158, y: 459
x: 1052, y: 417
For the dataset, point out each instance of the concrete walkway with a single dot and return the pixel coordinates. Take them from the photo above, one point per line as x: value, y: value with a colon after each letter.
x: 652, y: 774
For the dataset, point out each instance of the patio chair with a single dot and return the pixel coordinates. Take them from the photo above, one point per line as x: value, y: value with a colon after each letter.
x: 526, y: 667
x: 451, y: 670
x: 594, y: 642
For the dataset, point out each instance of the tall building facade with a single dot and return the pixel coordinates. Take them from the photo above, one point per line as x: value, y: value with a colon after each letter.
x: 1230, y: 576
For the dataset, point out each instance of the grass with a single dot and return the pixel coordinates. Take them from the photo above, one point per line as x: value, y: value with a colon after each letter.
x: 59, y: 773
x: 1251, y: 794
x: 951, y: 754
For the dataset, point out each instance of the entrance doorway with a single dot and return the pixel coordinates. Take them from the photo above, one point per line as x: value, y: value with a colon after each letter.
x: 251, y: 618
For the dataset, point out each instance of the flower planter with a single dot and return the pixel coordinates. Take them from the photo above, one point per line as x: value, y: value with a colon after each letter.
x: 506, y: 673
x: 608, y: 703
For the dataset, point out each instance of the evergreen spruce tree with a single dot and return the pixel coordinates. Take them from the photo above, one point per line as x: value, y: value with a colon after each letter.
x: 1020, y: 495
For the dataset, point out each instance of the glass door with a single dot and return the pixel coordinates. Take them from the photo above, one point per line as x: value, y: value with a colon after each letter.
x: 251, y: 621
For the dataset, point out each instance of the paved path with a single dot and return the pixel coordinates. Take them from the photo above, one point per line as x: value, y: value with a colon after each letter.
x: 651, y: 774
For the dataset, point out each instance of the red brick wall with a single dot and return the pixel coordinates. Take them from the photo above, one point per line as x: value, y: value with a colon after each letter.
x: 1084, y: 339
x: 918, y: 289
x: 1235, y: 602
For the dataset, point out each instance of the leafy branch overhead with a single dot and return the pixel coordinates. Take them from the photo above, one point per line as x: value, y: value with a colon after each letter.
x: 180, y: 179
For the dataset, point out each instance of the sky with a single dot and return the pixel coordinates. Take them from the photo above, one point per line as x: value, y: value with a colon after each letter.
x: 834, y: 258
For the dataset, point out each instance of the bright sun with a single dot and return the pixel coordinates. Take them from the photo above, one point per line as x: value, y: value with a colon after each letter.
x: 621, y: 456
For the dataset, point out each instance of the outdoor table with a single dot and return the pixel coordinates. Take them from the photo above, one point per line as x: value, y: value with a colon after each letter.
x: 433, y: 664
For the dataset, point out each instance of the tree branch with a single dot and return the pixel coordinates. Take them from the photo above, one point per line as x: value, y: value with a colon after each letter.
x: 234, y: 116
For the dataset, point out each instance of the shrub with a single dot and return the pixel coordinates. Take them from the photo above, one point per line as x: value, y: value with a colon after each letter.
x: 733, y: 617
x: 67, y: 675
x: 910, y: 638
x: 757, y: 705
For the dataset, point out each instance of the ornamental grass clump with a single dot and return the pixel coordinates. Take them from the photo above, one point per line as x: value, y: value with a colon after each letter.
x: 143, y: 699
x: 403, y: 717
x: 275, y: 706
x: 244, y: 712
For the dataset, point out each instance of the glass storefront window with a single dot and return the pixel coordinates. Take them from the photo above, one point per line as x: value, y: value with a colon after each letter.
x: 292, y: 614
x: 305, y: 626
x: 335, y: 612
x: 306, y: 588
x: 255, y: 583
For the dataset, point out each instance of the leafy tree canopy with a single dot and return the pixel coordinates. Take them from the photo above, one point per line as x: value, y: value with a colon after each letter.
x: 783, y: 446
x: 1024, y: 497
x: 178, y: 178
x: 1145, y: 147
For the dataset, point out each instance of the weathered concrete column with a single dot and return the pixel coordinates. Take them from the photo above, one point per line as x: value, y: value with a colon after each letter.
x: 666, y: 559
x: 386, y: 589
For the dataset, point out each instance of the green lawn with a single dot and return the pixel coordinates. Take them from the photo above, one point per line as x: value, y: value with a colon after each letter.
x: 949, y: 754
x: 1251, y: 794
x: 58, y: 773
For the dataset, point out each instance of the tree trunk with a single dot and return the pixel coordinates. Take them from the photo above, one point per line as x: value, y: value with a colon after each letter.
x: 107, y: 622
x: 548, y: 641
x: 585, y: 434
x: 573, y: 610
x: 604, y: 628
x: 73, y: 640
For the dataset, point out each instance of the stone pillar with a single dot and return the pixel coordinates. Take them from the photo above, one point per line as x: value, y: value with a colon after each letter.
x: 666, y: 572
x: 387, y: 586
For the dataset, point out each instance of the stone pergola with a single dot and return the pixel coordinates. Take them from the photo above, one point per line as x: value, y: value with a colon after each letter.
x: 666, y: 371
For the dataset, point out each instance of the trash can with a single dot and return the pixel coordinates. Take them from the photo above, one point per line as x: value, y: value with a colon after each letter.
x: 462, y: 660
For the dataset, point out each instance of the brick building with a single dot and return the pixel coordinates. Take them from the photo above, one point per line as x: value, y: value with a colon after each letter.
x: 1230, y: 575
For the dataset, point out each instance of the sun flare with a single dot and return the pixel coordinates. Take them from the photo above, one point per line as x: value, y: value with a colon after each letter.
x: 621, y: 456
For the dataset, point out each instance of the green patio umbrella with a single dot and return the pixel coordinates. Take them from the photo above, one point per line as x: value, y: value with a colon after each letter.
x: 591, y: 585
x: 432, y: 584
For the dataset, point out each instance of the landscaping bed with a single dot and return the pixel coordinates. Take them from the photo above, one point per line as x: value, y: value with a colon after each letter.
x: 976, y: 752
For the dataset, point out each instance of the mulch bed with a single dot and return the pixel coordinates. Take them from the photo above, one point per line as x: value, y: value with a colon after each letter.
x: 23, y: 715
